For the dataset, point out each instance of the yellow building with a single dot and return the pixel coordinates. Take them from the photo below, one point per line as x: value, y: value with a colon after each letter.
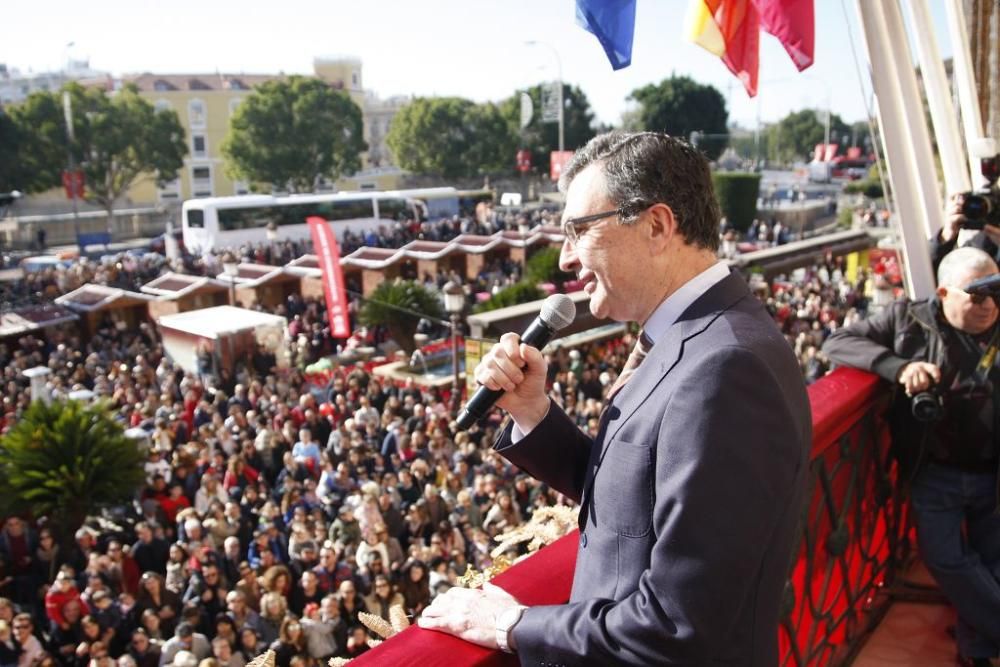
x: 204, y: 104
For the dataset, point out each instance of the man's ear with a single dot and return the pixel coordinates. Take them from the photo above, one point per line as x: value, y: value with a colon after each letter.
x: 663, y: 225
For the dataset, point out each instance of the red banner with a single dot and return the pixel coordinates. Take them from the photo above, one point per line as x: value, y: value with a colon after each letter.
x: 558, y: 160
x: 326, y: 249
x: 524, y: 160
x: 73, y: 183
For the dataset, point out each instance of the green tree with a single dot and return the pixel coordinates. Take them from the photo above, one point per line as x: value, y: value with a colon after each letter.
x: 541, y: 138
x: 66, y: 461
x: 11, y: 174
x: 512, y: 295
x: 796, y: 135
x: 451, y: 137
x: 387, y: 307
x: 119, y: 140
x: 37, y: 149
x: 493, y: 148
x: 737, y: 193
x: 679, y: 106
x: 291, y: 133
x: 543, y: 267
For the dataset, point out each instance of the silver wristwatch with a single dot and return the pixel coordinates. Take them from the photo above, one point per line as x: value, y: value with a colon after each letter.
x: 505, y: 623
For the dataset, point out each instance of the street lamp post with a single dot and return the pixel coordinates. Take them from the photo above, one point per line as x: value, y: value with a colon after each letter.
x: 231, y: 267
x: 562, y: 110
x: 454, y: 303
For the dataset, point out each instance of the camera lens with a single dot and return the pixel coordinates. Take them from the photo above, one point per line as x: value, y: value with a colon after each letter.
x: 926, y: 407
x: 976, y: 207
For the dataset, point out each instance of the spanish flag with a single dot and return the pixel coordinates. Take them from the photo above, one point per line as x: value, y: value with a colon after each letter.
x: 731, y: 30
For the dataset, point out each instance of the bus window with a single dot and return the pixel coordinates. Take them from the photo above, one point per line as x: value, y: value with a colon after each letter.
x: 350, y: 209
x: 195, y: 218
x: 393, y: 209
x: 233, y: 219
x: 293, y: 214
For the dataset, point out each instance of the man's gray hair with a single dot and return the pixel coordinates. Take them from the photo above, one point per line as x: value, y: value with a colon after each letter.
x: 646, y: 168
x: 958, y: 263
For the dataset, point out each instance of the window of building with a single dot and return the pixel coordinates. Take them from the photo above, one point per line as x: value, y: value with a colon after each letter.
x: 354, y: 79
x: 163, y: 105
x: 234, y: 104
x: 198, y: 145
x: 196, y: 113
x: 170, y: 191
x: 201, y: 181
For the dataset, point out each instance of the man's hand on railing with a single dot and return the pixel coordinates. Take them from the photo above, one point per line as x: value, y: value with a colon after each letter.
x: 469, y: 614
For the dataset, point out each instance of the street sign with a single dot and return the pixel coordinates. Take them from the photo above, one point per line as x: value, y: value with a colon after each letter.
x: 550, y: 101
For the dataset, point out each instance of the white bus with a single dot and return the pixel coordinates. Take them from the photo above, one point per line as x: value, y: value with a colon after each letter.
x: 447, y: 202
x: 223, y: 222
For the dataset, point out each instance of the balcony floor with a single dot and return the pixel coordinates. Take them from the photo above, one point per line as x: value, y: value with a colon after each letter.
x: 912, y: 634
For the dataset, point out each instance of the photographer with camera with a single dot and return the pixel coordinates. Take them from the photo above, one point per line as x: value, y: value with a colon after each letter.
x: 972, y: 218
x: 940, y: 354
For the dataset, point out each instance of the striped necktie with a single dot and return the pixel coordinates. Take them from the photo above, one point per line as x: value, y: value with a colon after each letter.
x: 639, y: 352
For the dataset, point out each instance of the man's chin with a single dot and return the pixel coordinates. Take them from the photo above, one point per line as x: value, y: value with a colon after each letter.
x: 598, y: 307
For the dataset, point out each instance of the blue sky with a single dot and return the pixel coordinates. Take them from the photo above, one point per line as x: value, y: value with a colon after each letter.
x: 469, y: 48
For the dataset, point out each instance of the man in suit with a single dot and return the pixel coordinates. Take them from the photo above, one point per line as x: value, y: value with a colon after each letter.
x: 692, y: 490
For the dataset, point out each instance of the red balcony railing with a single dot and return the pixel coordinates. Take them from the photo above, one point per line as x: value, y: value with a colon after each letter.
x: 853, y: 538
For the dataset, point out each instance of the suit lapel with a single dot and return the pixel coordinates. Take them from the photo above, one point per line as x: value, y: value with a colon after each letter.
x: 664, y: 356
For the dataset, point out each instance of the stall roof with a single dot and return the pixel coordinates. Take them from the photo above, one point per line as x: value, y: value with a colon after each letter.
x: 92, y: 297
x: 252, y: 275
x: 175, y: 285
x: 219, y: 321
x: 306, y: 265
x: 32, y: 318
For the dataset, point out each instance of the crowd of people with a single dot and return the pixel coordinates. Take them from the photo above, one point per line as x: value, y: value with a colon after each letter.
x: 275, y: 510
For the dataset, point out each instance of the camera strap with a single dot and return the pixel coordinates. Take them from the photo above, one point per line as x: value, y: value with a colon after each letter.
x: 989, y: 357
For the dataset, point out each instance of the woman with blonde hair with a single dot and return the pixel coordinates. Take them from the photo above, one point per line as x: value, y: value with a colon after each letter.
x: 273, y: 608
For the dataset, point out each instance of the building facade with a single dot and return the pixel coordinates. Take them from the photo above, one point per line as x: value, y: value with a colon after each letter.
x: 205, y: 103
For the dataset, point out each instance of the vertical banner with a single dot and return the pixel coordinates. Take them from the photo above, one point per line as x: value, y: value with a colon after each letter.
x: 325, y: 246
x: 475, y: 350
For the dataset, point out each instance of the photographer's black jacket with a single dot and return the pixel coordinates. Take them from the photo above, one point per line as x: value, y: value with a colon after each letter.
x: 941, y: 248
x: 917, y: 331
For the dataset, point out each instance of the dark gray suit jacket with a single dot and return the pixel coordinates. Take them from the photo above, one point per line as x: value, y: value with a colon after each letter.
x: 690, y: 497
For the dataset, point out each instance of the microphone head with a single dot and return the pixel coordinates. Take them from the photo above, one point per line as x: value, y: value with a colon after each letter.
x: 558, y: 311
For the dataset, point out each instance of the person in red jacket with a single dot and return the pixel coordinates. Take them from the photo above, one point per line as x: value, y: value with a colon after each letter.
x: 62, y: 591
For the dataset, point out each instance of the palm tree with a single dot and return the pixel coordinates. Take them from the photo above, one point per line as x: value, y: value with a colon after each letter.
x: 66, y: 460
x: 388, y: 304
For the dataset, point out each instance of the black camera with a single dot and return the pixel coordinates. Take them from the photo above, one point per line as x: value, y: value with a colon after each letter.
x: 982, y: 207
x: 927, y: 407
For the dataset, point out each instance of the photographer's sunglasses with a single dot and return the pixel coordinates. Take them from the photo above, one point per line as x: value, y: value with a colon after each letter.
x: 977, y: 299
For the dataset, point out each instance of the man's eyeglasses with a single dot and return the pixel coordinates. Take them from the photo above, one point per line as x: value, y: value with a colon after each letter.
x: 976, y: 298
x: 573, y: 227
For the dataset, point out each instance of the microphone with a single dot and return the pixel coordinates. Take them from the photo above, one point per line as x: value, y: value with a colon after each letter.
x: 558, y: 311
